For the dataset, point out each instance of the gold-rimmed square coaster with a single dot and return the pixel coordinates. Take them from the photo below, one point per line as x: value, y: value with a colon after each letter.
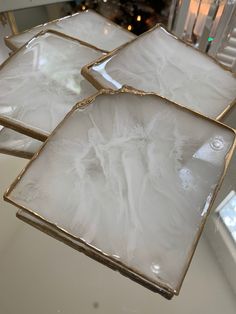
x: 41, y: 82
x: 76, y: 244
x: 159, y: 62
x: 88, y: 26
x: 17, y: 144
x: 128, y: 178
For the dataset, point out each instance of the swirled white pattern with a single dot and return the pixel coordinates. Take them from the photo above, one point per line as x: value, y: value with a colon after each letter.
x: 87, y: 26
x: 42, y: 81
x: 158, y: 62
x: 132, y: 176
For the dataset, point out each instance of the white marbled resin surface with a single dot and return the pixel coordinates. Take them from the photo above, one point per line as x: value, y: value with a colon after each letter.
x: 88, y: 26
x: 17, y: 144
x: 42, y: 82
x: 158, y: 62
x: 132, y: 176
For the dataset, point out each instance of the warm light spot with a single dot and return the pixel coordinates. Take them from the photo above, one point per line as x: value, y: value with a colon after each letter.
x: 139, y: 18
x: 104, y: 0
x: 129, y: 27
x: 83, y: 7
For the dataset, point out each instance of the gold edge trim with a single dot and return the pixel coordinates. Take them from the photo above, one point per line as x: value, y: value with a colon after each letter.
x: 48, y: 24
x: 226, y: 110
x: 12, y: 22
x: 85, y: 71
x: 228, y: 158
x: 79, y: 245
x: 11, y: 46
x: 83, y: 43
x: 89, y: 77
x: 16, y: 153
x: 85, y: 103
x: 14, y: 124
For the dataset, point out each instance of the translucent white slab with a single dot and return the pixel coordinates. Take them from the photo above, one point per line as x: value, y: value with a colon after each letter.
x: 88, y: 26
x: 17, y: 144
x: 41, y: 82
x: 49, y: 229
x: 157, y: 61
x: 131, y: 178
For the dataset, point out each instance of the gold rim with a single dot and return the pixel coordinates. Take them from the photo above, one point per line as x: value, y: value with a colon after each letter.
x: 15, y: 152
x: 87, y: 74
x: 61, y: 235
x: 18, y: 125
x: 129, y: 272
x: 10, y: 45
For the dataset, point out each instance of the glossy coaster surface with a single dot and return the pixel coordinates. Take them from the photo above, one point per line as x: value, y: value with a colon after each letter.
x: 17, y: 144
x: 41, y: 82
x: 159, y: 62
x: 131, y: 177
x: 88, y: 26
